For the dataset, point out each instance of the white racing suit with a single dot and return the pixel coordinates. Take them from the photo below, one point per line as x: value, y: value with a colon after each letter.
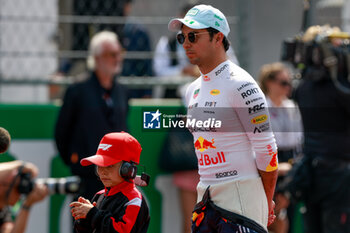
x: 229, y: 120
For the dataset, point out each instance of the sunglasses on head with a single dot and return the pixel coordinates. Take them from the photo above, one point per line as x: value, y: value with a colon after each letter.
x: 192, y: 37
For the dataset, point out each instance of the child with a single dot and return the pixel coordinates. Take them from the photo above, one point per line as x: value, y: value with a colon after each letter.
x: 120, y: 207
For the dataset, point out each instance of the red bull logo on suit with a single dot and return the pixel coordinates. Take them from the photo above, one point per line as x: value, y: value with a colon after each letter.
x: 203, y: 144
x: 205, y: 160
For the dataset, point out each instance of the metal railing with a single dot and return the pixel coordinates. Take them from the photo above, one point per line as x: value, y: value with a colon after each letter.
x: 92, y: 19
x: 130, y: 82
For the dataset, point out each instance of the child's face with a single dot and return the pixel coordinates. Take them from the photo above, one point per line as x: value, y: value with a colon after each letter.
x: 110, y: 175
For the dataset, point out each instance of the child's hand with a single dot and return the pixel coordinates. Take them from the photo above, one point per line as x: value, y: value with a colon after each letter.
x: 80, y: 208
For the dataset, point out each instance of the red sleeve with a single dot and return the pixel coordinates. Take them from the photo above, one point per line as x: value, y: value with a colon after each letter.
x: 128, y: 221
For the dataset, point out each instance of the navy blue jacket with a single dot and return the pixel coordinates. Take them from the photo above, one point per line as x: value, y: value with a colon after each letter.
x: 325, y: 113
x: 85, y: 118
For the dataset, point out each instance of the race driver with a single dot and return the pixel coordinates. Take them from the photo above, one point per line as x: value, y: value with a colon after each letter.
x: 236, y: 150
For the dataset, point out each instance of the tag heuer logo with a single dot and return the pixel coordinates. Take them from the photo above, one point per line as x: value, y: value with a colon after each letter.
x: 195, y: 94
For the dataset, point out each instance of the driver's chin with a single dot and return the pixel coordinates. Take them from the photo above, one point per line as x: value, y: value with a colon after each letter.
x: 194, y: 61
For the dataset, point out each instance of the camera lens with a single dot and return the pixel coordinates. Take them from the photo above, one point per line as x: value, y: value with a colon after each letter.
x: 63, y: 185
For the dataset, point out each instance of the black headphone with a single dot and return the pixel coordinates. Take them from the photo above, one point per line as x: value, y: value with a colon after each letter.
x: 128, y: 170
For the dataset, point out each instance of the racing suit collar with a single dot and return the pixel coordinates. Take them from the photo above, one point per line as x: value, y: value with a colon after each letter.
x: 216, y: 72
x: 124, y: 186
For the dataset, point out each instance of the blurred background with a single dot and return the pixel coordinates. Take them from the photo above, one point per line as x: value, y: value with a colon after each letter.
x: 43, y: 48
x: 41, y: 39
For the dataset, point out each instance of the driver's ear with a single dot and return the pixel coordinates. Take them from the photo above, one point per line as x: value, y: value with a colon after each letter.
x: 219, y: 37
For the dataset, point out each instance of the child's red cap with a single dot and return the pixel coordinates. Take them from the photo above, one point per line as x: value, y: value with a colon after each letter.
x: 113, y: 148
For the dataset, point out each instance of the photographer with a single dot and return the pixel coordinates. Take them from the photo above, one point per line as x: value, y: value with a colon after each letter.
x: 9, y: 195
x: 323, y: 96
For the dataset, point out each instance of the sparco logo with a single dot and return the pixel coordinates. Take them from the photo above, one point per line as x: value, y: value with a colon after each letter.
x: 226, y: 174
x: 256, y: 108
x: 220, y: 70
x: 250, y: 92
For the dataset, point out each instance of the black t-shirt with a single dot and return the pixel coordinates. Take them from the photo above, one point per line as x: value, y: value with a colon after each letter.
x: 325, y: 113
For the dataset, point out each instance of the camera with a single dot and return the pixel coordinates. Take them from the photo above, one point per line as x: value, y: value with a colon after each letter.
x: 325, y: 56
x: 316, y: 52
x: 63, y: 185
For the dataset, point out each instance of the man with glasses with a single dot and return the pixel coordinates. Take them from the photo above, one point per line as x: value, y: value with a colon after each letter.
x: 237, y: 158
x: 92, y: 108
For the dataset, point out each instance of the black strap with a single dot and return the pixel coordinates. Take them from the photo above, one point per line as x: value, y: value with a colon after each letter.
x: 20, y: 169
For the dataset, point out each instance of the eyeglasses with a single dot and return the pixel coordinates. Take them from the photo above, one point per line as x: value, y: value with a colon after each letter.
x: 113, y: 54
x: 192, y: 37
x: 283, y: 83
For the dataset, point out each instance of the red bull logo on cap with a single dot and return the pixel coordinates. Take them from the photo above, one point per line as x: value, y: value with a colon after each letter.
x: 202, y: 144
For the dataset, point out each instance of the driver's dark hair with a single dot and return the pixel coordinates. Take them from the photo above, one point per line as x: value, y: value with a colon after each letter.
x: 225, y: 41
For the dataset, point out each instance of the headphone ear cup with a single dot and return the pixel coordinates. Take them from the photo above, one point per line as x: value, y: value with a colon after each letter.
x: 128, y: 170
